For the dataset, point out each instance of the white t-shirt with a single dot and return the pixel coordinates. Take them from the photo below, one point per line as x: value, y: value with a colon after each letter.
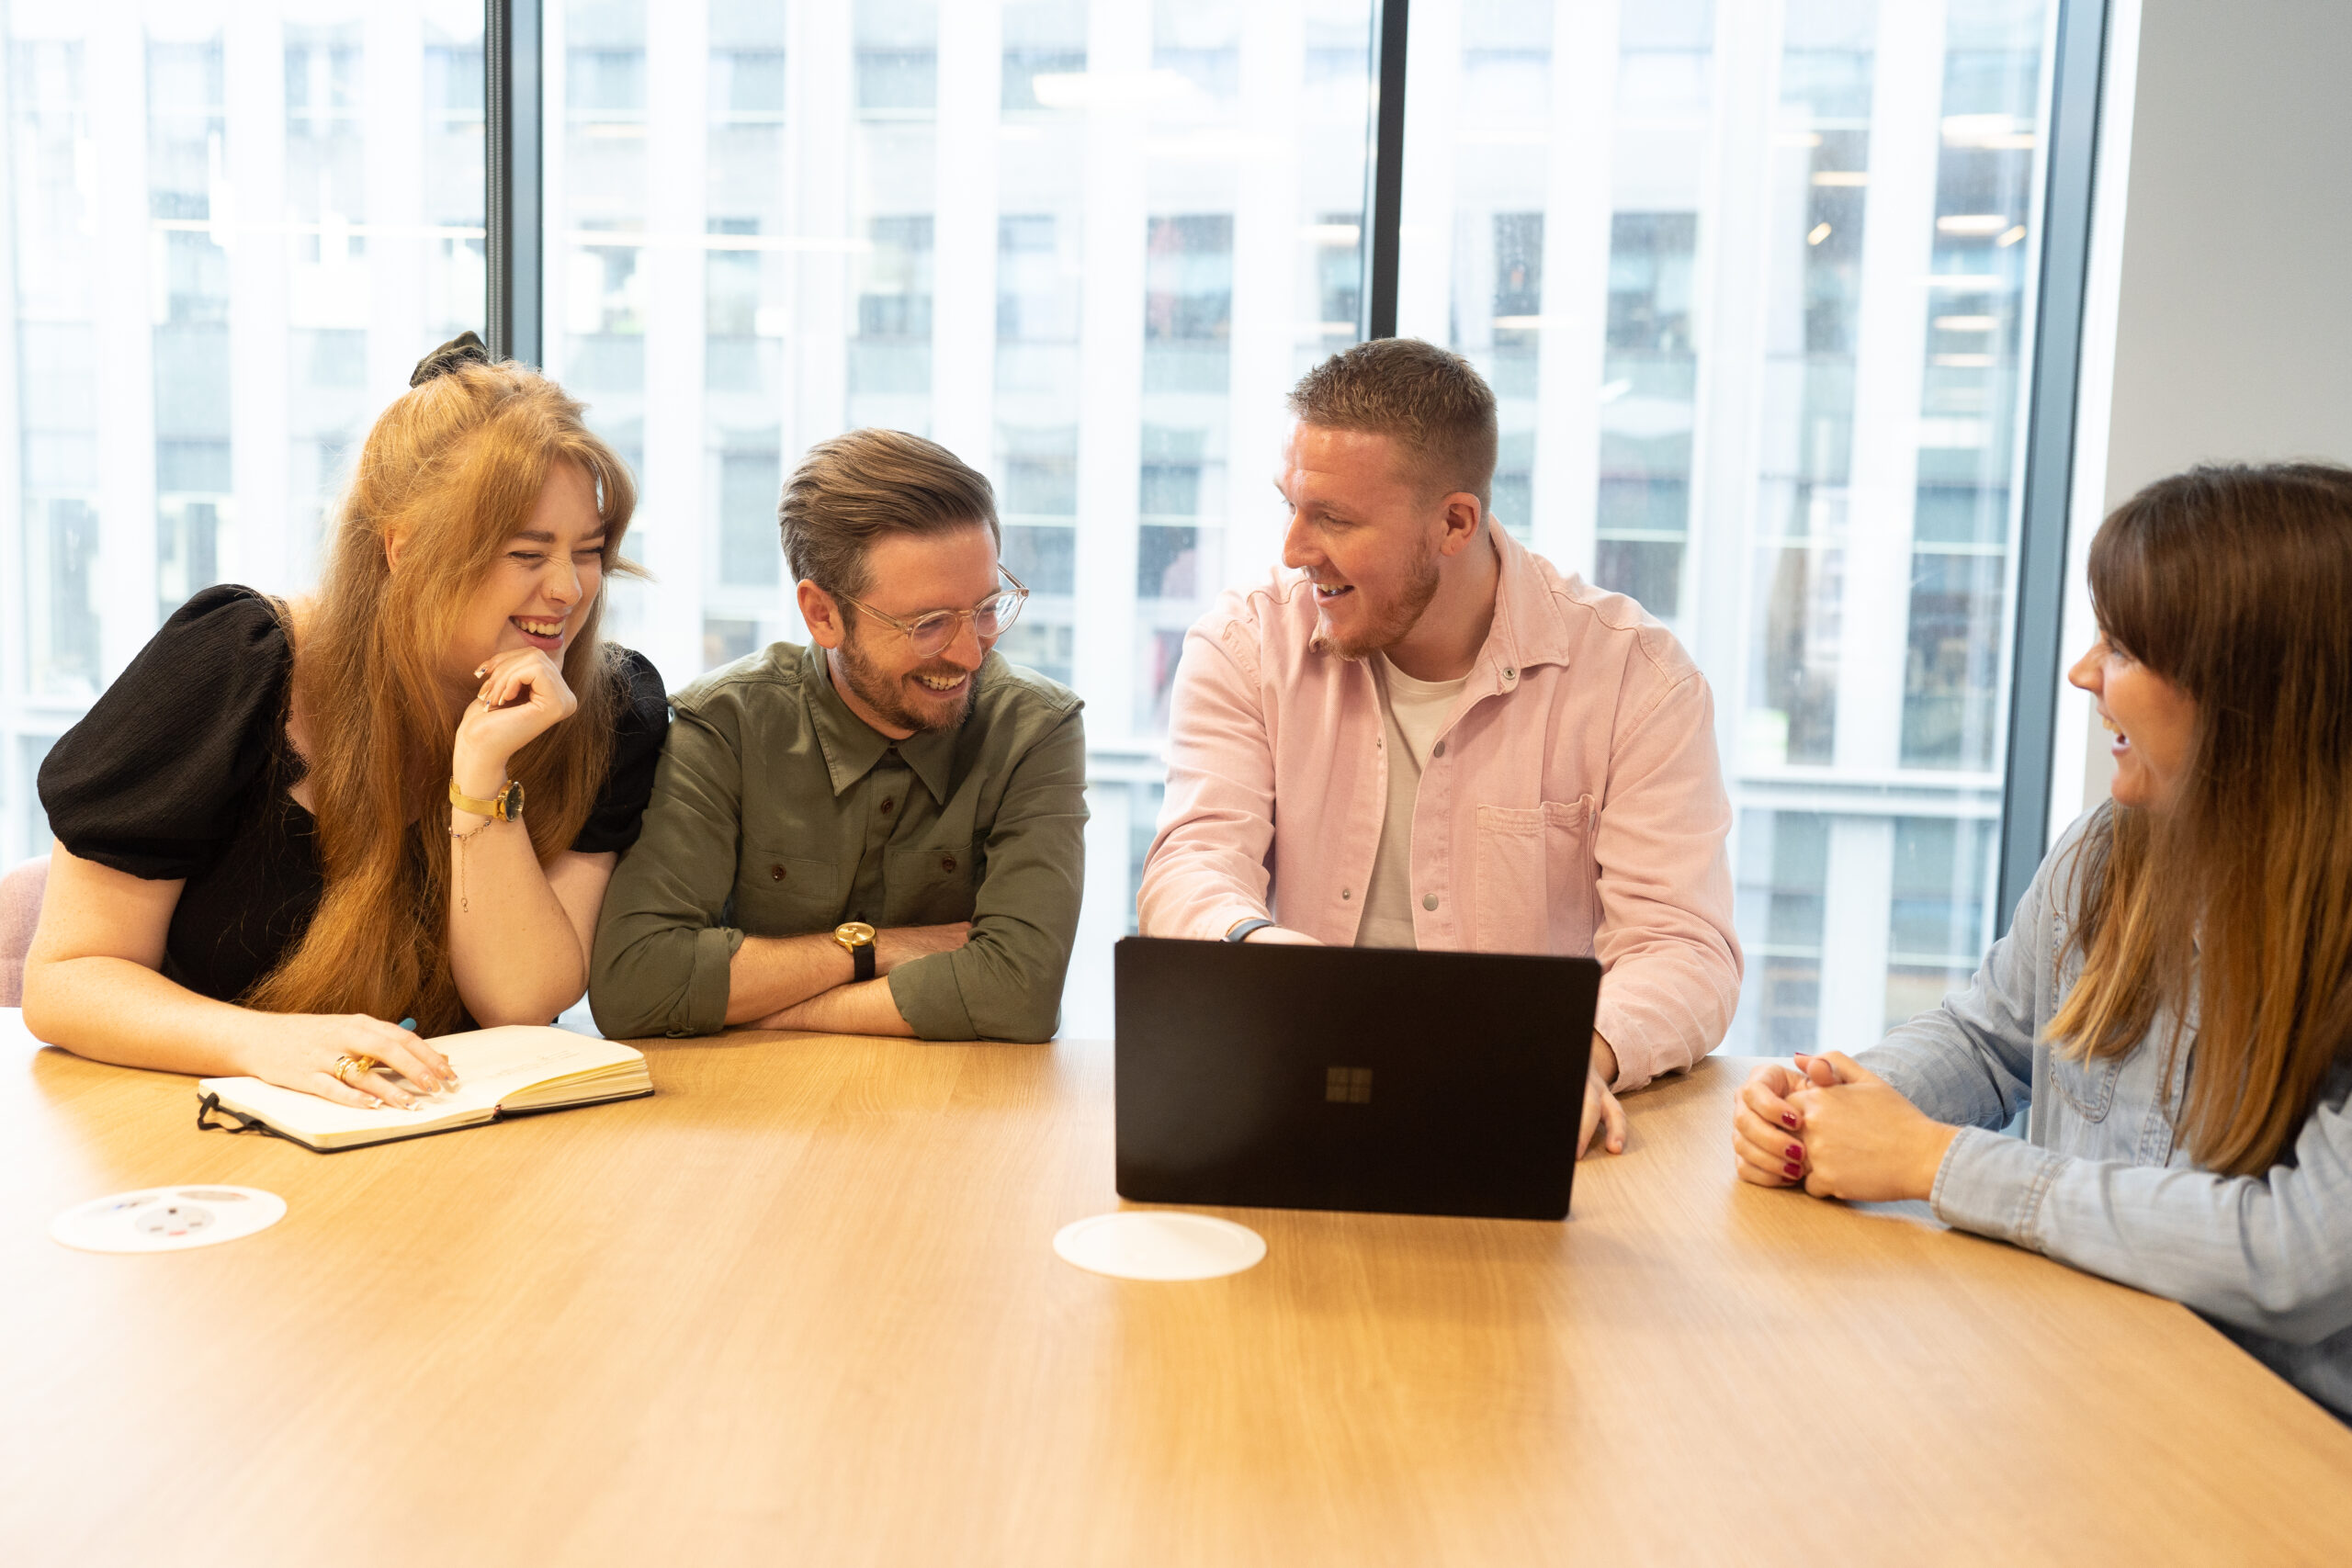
x: 1411, y: 713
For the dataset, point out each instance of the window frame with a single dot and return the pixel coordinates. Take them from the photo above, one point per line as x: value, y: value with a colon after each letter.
x: 516, y: 209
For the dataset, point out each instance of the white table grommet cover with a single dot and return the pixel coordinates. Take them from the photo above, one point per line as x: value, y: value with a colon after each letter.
x: 1158, y: 1243
x: 167, y: 1219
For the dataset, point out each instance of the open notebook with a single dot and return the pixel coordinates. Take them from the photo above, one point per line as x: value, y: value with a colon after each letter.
x: 500, y: 1072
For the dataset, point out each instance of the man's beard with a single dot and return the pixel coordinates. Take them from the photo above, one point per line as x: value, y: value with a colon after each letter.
x: 1395, y: 624
x: 887, y: 696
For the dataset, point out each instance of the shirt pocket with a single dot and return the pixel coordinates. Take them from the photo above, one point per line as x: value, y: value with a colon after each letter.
x: 1571, y: 879
x: 782, y: 895
x: 2089, y: 1087
x: 932, y: 885
x: 1535, y: 882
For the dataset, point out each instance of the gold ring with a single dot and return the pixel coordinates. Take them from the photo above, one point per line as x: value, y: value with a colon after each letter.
x: 347, y: 1063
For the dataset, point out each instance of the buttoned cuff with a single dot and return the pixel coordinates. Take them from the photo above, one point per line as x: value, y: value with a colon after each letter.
x: 1993, y: 1185
x: 931, y: 1000
x: 707, y: 986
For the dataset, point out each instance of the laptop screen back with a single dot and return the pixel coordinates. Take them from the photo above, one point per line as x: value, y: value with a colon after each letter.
x: 1367, y: 1079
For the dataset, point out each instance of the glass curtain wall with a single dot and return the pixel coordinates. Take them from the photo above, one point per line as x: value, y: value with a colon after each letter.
x: 1752, y: 278
x: 230, y: 231
x: 1086, y: 246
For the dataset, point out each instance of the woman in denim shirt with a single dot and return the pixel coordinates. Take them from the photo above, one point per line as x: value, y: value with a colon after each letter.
x: 2173, y: 1003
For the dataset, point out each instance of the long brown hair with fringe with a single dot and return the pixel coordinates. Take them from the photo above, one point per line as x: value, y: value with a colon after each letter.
x: 451, y: 471
x: 2236, y: 896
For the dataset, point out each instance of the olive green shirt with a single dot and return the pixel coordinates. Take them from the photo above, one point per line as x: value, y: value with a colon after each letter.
x: 778, y: 812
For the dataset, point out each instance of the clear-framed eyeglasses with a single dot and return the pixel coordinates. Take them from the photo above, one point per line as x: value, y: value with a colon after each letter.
x: 929, y: 634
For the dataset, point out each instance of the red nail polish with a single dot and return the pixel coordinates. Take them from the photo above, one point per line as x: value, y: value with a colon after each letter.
x: 1796, y: 1151
x: 1788, y: 1120
x: 1792, y: 1170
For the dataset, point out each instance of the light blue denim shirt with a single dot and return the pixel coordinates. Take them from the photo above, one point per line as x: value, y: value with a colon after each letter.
x: 2102, y: 1182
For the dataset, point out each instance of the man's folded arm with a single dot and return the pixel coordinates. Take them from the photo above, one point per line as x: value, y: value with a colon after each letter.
x: 661, y: 960
x: 1666, y: 936
x: 1005, y: 982
x: 1207, y: 865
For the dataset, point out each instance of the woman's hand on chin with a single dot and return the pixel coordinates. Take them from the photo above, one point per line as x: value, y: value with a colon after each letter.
x: 301, y: 1050
x: 522, y: 697
x: 1863, y: 1140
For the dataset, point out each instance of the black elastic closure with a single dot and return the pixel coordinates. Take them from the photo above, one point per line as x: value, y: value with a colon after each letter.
x: 209, y: 1106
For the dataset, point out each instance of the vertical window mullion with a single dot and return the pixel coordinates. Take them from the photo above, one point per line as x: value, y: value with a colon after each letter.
x: 516, y: 205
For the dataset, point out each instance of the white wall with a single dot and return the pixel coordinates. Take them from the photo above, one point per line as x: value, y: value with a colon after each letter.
x: 2233, y: 289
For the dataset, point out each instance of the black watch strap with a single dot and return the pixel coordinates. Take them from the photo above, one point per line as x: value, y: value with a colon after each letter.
x: 861, y: 959
x: 1240, y: 932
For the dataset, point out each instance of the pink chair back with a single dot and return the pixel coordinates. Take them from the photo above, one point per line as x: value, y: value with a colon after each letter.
x: 20, y: 892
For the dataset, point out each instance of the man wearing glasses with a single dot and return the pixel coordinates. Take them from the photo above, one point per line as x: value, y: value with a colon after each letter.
x: 882, y: 833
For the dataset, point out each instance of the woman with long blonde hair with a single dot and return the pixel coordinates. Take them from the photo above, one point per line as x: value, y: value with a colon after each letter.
x: 2172, y: 1006
x: 289, y: 825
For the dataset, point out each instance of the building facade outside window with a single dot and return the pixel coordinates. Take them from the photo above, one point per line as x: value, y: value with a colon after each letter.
x: 1753, y: 283
x: 230, y: 231
x: 1751, y: 280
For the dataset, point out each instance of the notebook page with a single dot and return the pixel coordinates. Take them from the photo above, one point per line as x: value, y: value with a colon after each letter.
x: 491, y: 1063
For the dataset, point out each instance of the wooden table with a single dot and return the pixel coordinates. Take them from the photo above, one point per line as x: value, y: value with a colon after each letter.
x: 802, y: 1306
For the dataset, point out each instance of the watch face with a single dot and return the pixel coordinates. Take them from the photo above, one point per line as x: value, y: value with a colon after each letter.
x: 511, y: 798
x: 853, y: 933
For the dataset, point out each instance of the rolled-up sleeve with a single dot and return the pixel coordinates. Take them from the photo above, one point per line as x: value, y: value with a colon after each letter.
x: 661, y: 955
x: 1005, y: 982
x: 1666, y: 937
x: 2269, y: 1253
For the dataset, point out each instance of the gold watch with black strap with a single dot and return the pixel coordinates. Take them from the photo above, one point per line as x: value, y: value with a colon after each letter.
x: 858, y: 937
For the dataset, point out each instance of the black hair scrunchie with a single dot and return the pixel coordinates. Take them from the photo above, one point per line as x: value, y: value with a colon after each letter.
x: 463, y: 349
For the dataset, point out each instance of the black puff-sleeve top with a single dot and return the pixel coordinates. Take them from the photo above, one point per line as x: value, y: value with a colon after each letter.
x: 180, y: 773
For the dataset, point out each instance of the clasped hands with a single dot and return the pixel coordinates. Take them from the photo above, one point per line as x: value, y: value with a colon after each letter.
x: 1836, y: 1129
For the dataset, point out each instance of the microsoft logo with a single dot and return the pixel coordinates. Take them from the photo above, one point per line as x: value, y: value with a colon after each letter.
x: 1347, y: 1086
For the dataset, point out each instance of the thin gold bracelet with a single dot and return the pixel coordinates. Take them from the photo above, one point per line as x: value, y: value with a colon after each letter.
x: 458, y: 854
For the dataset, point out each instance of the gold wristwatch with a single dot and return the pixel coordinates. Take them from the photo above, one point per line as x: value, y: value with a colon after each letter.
x: 858, y: 937
x: 506, y: 806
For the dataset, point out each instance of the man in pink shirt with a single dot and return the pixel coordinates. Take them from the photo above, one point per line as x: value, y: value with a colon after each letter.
x: 1425, y: 736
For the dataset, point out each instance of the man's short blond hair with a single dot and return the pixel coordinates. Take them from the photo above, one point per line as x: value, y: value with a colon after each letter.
x: 1438, y: 410
x: 853, y: 488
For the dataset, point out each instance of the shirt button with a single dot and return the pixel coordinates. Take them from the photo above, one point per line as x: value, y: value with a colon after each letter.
x: 1347, y: 893
x: 1428, y: 900
x: 947, y: 863
x: 887, y: 804
x: 1510, y: 674
x: 1438, y: 750
x: 775, y: 873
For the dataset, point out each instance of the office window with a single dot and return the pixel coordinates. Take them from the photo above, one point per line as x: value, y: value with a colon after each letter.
x: 230, y: 231
x: 1039, y: 231
x: 1753, y: 298
x: 1782, y: 874
x: 1940, y: 911
x: 1760, y: 358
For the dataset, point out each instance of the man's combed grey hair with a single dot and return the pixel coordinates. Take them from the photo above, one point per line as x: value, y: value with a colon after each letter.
x: 1432, y: 402
x: 852, y: 490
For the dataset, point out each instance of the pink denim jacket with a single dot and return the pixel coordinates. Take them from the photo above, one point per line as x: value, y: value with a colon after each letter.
x: 1572, y: 804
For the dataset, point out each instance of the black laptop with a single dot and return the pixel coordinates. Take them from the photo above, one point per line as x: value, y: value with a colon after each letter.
x: 1273, y: 1075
